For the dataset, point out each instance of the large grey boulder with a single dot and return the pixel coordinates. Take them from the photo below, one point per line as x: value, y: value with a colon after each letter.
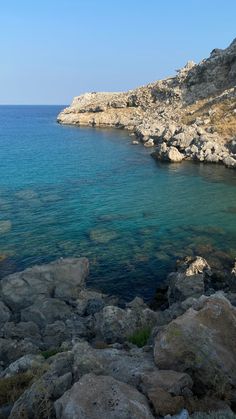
x: 114, y: 324
x: 202, y: 342
x: 62, y: 279
x: 102, y: 397
x: 128, y: 366
x: 46, y: 311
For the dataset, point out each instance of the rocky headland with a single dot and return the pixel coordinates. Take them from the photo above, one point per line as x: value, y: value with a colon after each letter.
x: 191, y: 116
x: 68, y: 351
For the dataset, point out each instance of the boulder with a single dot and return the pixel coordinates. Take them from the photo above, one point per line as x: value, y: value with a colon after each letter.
x: 114, y: 324
x: 170, y: 154
x: 202, y: 342
x: 63, y: 279
x: 23, y: 364
x: 173, y: 382
x: 166, y: 390
x: 102, y: 397
x: 230, y: 161
x: 149, y: 143
x: 164, y: 403
x: 46, y: 311
x: 128, y: 366
x: 189, y: 280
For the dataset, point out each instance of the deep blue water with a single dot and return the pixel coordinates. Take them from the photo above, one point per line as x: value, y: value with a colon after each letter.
x: 69, y: 191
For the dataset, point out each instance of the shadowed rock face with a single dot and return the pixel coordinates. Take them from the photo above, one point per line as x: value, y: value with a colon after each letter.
x: 192, y: 115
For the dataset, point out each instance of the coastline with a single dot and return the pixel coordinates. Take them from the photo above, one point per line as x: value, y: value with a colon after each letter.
x: 69, y: 348
x: 190, y: 116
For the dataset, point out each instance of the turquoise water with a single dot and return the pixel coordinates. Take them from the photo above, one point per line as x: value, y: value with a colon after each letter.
x: 68, y: 191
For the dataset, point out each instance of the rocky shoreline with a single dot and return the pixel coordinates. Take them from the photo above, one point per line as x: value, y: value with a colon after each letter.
x: 68, y: 351
x: 191, y: 116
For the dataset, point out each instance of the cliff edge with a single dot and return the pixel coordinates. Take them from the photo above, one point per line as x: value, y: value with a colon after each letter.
x: 191, y: 116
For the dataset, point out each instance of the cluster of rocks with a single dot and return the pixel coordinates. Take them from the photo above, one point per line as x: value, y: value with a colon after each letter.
x: 158, y: 114
x: 81, y: 349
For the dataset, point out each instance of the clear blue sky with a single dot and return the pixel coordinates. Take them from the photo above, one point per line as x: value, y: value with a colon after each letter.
x: 52, y: 50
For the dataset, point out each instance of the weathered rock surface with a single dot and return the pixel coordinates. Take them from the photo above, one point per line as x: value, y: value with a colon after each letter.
x: 189, y: 280
x: 73, y: 354
x: 61, y: 279
x: 201, y: 342
x: 189, y: 116
x: 129, y: 366
x: 113, y: 324
x: 102, y: 396
x: 166, y: 390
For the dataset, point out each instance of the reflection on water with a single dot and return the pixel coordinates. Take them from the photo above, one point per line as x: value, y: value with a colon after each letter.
x: 66, y: 191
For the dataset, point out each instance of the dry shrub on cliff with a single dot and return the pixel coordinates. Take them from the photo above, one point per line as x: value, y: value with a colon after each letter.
x: 11, y: 388
x: 221, y: 115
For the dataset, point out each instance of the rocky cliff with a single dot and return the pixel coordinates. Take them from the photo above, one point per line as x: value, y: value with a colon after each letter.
x: 189, y: 116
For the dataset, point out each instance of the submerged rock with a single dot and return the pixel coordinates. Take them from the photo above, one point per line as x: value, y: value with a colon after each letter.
x: 5, y: 226
x: 102, y: 236
x: 26, y: 194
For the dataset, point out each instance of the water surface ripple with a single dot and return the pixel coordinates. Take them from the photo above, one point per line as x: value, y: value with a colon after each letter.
x: 67, y: 191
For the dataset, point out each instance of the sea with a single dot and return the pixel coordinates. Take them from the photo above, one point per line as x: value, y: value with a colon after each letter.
x: 68, y: 191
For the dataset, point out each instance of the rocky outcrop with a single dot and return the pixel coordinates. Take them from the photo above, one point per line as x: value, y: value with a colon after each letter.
x: 201, y: 342
x: 189, y: 280
x: 68, y: 351
x: 190, y: 116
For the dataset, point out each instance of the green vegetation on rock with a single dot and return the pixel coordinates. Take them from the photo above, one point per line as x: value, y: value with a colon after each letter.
x: 140, y: 337
x: 50, y: 352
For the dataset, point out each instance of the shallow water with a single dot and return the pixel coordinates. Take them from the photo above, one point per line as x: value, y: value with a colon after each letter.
x: 68, y: 191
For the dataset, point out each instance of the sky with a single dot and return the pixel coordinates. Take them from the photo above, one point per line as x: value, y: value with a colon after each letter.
x: 52, y: 50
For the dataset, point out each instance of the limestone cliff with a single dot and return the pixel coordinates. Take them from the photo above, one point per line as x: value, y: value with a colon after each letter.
x: 189, y: 116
